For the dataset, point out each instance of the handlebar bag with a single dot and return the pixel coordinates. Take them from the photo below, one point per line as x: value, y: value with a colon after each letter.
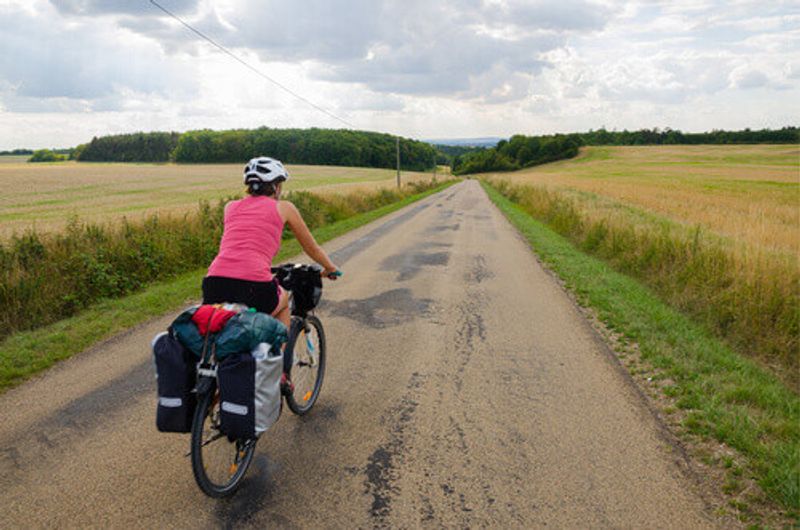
x: 175, y: 377
x: 249, y: 386
x: 304, y: 282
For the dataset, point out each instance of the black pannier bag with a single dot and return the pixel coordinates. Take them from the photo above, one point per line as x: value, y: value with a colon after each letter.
x: 176, y: 377
x: 249, y: 388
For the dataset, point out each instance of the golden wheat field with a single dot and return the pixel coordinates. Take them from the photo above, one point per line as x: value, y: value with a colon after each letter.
x: 46, y: 196
x: 748, y: 193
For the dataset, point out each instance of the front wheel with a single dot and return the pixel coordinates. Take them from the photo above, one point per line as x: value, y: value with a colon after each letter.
x: 308, y: 365
x: 218, y: 464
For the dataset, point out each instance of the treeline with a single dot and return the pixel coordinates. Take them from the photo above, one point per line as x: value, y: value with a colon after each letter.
x: 518, y: 152
x: 295, y: 146
x: 332, y: 147
x: 17, y: 152
x: 785, y: 135
x: 136, y: 147
x: 342, y: 147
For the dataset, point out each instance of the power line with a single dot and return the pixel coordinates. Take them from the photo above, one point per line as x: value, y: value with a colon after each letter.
x: 250, y: 67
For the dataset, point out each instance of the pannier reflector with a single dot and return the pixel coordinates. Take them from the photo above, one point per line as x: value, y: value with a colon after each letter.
x: 169, y: 402
x: 233, y: 408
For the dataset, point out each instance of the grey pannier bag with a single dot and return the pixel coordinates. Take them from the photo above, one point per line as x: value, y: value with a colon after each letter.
x: 250, y: 396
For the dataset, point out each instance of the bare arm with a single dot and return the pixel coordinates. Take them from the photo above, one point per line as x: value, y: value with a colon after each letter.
x: 292, y: 217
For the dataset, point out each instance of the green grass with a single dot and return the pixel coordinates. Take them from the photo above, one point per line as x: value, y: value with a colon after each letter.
x: 725, y: 396
x: 26, y: 353
x: 592, y: 155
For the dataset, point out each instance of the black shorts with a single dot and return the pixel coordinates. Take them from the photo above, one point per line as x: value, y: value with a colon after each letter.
x: 263, y: 296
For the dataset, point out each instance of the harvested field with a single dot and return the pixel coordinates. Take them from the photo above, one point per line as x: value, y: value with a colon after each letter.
x: 46, y: 196
x: 714, y: 230
x: 13, y: 159
x: 749, y: 193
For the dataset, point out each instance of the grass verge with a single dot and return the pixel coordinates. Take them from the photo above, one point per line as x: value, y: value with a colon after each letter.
x: 25, y: 353
x: 724, y: 396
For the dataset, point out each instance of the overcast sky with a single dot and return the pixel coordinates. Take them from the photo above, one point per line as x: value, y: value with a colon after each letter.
x: 72, y: 69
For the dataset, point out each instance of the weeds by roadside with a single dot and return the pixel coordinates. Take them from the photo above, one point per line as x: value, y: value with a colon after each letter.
x: 721, y: 394
x: 749, y: 298
x: 46, y: 278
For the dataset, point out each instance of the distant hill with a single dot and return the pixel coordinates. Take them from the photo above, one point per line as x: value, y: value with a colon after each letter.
x: 489, y: 141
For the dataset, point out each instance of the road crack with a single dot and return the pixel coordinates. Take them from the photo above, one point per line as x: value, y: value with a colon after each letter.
x: 381, y: 472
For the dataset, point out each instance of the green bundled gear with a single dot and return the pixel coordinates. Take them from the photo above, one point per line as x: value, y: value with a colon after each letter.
x: 242, y: 333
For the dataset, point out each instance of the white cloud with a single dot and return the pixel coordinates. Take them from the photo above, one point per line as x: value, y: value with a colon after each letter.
x: 71, y: 69
x: 103, y: 7
x: 745, y: 77
x: 398, y: 47
x: 78, y: 62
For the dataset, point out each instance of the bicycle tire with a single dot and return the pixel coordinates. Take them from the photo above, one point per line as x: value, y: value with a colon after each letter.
x: 241, y: 452
x: 306, y: 402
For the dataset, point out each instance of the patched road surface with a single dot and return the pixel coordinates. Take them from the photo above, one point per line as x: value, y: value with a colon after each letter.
x: 464, y: 389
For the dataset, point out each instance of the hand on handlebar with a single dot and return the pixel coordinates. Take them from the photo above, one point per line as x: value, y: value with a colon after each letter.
x: 332, y: 273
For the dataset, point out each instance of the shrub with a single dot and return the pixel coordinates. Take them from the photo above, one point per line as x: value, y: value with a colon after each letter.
x: 46, y: 155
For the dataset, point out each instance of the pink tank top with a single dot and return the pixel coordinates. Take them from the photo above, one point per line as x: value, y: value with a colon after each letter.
x: 251, y: 238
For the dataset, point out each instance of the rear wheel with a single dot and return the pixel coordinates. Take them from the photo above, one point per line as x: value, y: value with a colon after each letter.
x: 308, y: 365
x: 218, y: 464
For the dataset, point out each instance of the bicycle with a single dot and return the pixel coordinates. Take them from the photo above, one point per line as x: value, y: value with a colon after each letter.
x: 219, y: 464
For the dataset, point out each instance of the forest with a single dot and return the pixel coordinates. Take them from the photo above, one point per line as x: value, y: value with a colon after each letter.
x: 294, y: 146
x: 135, y: 147
x: 518, y: 152
x: 655, y: 136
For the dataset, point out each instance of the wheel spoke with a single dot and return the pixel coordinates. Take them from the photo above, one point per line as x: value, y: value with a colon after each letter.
x: 307, y: 368
x: 218, y: 467
x: 213, y: 438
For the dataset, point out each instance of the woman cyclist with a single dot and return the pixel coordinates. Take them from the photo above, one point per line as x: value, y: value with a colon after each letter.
x: 252, y: 236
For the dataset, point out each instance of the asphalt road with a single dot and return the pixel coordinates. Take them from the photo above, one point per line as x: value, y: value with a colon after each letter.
x: 464, y: 389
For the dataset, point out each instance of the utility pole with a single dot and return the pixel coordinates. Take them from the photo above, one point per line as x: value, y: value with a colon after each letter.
x: 398, y: 161
x: 434, y: 166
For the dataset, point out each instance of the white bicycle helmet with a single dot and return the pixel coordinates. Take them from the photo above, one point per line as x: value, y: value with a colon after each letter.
x: 264, y: 170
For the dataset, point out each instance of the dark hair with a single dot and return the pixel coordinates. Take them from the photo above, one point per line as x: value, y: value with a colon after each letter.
x: 261, y: 188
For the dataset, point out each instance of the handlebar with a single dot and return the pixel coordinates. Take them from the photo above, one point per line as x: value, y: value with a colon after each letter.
x: 287, y: 269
